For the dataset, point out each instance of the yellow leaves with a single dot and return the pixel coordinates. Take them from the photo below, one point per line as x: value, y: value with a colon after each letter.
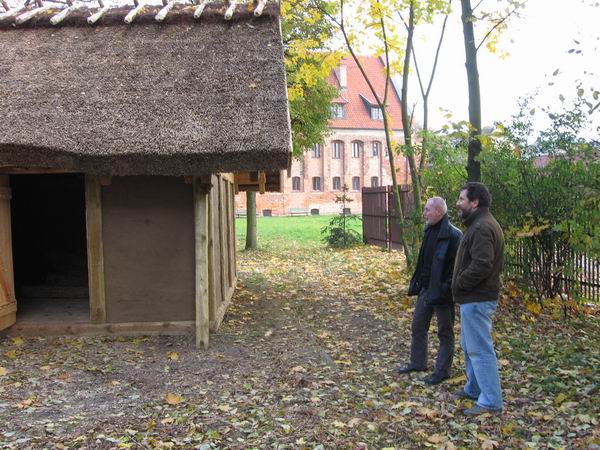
x: 338, y: 424
x: 534, y: 308
x: 173, y: 399
x: 11, y: 354
x: 457, y: 380
x: 173, y: 356
x: 18, y: 341
x: 559, y: 399
x: 427, y: 412
x: 3, y: 371
x: 344, y: 362
x: 26, y: 403
x: 489, y: 444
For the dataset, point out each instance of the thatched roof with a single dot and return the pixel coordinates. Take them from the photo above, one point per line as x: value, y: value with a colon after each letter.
x: 180, y: 97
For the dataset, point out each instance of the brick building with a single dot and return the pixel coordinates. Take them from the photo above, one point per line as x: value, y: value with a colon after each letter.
x: 354, y: 152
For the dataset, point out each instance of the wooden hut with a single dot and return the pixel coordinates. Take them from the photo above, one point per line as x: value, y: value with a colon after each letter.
x: 120, y: 133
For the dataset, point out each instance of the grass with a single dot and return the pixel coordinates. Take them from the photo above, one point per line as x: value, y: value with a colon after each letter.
x: 302, y: 231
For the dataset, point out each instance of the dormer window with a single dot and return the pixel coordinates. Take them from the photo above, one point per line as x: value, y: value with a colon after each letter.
x: 337, y: 111
x: 376, y: 113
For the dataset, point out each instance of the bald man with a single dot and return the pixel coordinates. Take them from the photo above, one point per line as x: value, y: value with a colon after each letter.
x: 431, y: 282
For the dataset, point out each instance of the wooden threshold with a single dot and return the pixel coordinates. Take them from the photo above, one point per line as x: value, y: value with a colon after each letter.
x: 101, y: 329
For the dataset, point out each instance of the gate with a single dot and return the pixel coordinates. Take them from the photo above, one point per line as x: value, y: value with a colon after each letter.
x: 380, y: 226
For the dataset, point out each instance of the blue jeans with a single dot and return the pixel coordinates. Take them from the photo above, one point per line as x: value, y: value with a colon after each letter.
x: 483, y: 379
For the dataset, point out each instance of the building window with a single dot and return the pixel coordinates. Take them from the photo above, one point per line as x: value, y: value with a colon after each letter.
x: 374, y: 181
x: 336, y: 149
x: 316, y: 151
x: 337, y: 184
x: 316, y: 183
x: 356, y: 183
x: 356, y: 149
x: 296, y: 184
x: 337, y: 111
x: 376, y: 113
x: 375, y: 146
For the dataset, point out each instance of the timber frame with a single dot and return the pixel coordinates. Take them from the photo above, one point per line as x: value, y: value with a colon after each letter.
x: 215, y: 261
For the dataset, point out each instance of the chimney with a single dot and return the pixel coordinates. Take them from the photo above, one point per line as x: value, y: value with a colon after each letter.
x: 343, y: 77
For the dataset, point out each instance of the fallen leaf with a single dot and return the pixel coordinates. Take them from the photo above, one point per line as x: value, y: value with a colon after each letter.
x: 18, y: 341
x: 3, y: 371
x: 173, y: 356
x: 269, y: 333
x: 11, y: 354
x: 173, y: 399
x: 437, y: 439
x: 489, y: 445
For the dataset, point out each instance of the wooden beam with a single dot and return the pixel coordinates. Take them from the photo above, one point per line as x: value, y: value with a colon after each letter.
x: 31, y: 14
x: 32, y: 170
x: 162, y: 14
x: 98, y: 14
x: 230, y: 10
x: 58, y: 18
x: 131, y: 15
x: 262, y: 181
x: 201, y: 201
x: 200, y: 9
x: 104, y: 329
x: 95, y: 248
x: 259, y: 9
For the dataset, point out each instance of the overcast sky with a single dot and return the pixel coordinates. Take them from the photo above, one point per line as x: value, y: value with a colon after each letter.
x: 537, y: 43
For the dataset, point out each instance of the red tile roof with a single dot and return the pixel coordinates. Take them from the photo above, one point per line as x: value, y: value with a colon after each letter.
x: 357, y: 96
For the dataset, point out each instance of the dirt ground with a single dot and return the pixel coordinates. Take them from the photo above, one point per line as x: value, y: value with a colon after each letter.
x: 305, y: 358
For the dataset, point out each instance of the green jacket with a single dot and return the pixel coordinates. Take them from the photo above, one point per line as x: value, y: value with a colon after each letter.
x: 479, y: 260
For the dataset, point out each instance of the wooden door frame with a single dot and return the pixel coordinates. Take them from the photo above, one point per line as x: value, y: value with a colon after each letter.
x: 94, y: 238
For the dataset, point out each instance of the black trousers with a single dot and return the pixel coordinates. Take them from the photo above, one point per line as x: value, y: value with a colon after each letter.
x: 420, y: 328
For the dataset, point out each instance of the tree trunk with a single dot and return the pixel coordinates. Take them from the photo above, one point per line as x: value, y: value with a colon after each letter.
x: 473, y: 166
x: 250, y: 220
x: 409, y: 152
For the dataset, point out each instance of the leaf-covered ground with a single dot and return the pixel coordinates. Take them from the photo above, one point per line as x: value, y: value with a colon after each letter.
x: 304, y: 359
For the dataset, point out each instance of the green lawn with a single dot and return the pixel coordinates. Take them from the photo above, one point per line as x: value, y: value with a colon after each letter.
x: 302, y: 231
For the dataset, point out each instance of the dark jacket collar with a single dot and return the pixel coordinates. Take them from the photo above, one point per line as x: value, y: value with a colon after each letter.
x: 444, y: 232
x: 476, y: 215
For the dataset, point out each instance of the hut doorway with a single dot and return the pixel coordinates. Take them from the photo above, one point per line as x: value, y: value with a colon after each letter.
x: 50, y: 248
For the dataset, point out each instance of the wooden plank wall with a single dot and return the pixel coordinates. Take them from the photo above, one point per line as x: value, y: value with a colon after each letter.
x: 223, y: 276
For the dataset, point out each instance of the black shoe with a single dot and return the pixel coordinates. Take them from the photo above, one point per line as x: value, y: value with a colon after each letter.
x: 408, y: 369
x: 435, y: 378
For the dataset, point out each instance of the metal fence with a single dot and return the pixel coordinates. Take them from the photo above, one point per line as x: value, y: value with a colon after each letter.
x: 379, y: 215
x: 552, y: 267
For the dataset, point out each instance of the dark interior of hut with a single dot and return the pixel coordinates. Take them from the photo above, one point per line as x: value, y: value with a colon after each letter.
x: 49, y: 247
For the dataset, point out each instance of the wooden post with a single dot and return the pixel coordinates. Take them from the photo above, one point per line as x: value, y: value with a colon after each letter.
x: 201, y: 201
x: 95, y: 248
x: 8, y: 304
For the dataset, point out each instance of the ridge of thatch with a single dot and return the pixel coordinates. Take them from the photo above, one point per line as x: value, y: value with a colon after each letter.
x: 180, y: 97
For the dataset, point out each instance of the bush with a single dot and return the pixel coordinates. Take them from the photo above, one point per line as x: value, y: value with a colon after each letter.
x: 338, y: 233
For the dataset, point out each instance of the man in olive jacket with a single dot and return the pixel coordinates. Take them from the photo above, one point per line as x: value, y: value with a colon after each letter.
x: 476, y: 288
x: 431, y: 282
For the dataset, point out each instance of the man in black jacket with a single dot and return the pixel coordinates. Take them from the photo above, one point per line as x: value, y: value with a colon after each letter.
x: 432, y: 283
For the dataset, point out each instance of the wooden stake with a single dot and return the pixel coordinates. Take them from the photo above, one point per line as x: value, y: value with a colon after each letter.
x: 201, y: 220
x: 262, y: 181
x: 58, y: 18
